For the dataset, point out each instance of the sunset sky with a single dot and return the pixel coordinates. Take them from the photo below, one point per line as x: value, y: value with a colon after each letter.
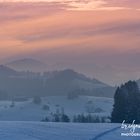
x: 100, y: 38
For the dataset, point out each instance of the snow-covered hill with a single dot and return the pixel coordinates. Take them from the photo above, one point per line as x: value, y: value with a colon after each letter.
x: 60, y: 131
x: 28, y: 111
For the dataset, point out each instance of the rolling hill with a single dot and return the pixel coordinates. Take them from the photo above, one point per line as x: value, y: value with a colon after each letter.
x: 67, y: 81
x: 55, y: 83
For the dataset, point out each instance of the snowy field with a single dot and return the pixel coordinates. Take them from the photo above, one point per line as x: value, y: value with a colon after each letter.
x: 22, y: 122
x: 28, y: 111
x: 60, y: 131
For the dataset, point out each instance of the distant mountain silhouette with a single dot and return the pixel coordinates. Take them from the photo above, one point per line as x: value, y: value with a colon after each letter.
x: 27, y: 64
x: 30, y: 84
x: 69, y: 74
x: 65, y: 81
x: 6, y: 71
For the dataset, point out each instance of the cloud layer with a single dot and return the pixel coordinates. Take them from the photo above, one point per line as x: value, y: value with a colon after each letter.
x: 88, y: 4
x: 100, y: 43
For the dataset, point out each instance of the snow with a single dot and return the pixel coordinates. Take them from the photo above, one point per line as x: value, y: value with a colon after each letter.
x: 28, y: 111
x: 22, y: 122
x: 60, y: 131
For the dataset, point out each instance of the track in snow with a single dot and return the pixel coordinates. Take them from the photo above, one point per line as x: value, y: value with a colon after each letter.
x: 105, y: 133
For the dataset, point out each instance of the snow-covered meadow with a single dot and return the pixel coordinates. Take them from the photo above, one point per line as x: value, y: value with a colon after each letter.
x: 60, y: 131
x: 22, y: 120
x: 28, y: 111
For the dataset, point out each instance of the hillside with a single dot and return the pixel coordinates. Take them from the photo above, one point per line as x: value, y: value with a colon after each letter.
x: 67, y: 81
x: 7, y: 72
x: 55, y: 83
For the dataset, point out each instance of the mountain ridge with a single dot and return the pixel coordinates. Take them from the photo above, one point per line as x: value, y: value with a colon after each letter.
x: 27, y: 64
x: 59, y: 83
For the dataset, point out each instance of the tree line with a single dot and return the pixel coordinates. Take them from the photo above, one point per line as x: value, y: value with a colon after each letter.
x: 80, y: 118
x: 126, y: 103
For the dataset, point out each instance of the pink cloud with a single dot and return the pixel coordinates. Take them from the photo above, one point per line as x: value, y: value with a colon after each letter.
x: 78, y: 39
x: 87, y: 4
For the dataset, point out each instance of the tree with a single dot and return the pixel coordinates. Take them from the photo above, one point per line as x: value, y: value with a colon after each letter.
x: 126, y: 103
x: 37, y: 100
x: 65, y: 118
x: 45, y: 120
x: 56, y: 118
x: 12, y: 104
x: 74, y: 118
x: 119, y: 111
x: 46, y: 107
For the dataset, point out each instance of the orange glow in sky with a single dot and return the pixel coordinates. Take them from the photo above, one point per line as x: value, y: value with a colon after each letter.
x: 61, y: 27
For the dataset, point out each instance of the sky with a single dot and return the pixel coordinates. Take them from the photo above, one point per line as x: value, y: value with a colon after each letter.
x: 99, y: 38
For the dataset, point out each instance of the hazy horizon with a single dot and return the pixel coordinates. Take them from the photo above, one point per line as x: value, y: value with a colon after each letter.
x: 99, y: 38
